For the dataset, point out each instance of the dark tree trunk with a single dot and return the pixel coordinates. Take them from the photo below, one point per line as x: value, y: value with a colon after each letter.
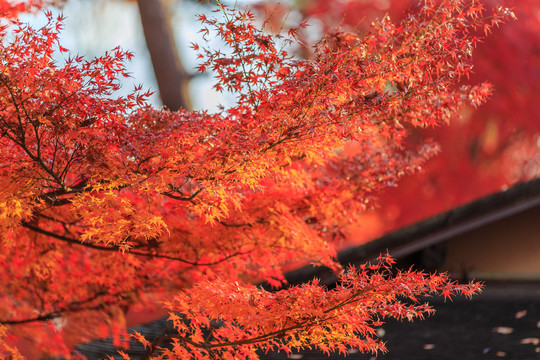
x: 171, y: 77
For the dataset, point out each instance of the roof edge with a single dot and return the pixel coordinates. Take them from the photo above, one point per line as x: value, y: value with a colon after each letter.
x: 431, y: 231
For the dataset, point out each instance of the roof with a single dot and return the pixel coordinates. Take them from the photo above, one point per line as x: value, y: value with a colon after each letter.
x: 434, y: 230
x: 459, y: 329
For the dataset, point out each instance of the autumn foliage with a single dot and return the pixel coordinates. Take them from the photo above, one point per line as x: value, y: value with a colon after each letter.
x: 486, y: 150
x: 107, y: 204
x: 493, y: 146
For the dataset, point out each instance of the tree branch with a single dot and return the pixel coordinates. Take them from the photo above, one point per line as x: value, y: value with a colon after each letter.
x: 29, y: 226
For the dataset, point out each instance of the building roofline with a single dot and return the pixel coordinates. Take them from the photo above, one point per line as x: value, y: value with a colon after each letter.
x: 431, y: 231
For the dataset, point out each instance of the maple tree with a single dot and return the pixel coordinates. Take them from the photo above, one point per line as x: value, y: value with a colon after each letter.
x: 107, y: 204
x: 494, y: 146
x: 490, y: 147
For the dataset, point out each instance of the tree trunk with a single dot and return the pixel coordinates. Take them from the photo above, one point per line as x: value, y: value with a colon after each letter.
x: 171, y: 77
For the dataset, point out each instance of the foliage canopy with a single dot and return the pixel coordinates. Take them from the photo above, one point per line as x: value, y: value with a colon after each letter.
x: 108, y: 204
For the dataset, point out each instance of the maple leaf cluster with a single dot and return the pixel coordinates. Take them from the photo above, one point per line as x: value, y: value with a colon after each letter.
x: 231, y: 320
x: 11, y: 9
x: 108, y: 204
x: 496, y: 145
x: 491, y: 147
